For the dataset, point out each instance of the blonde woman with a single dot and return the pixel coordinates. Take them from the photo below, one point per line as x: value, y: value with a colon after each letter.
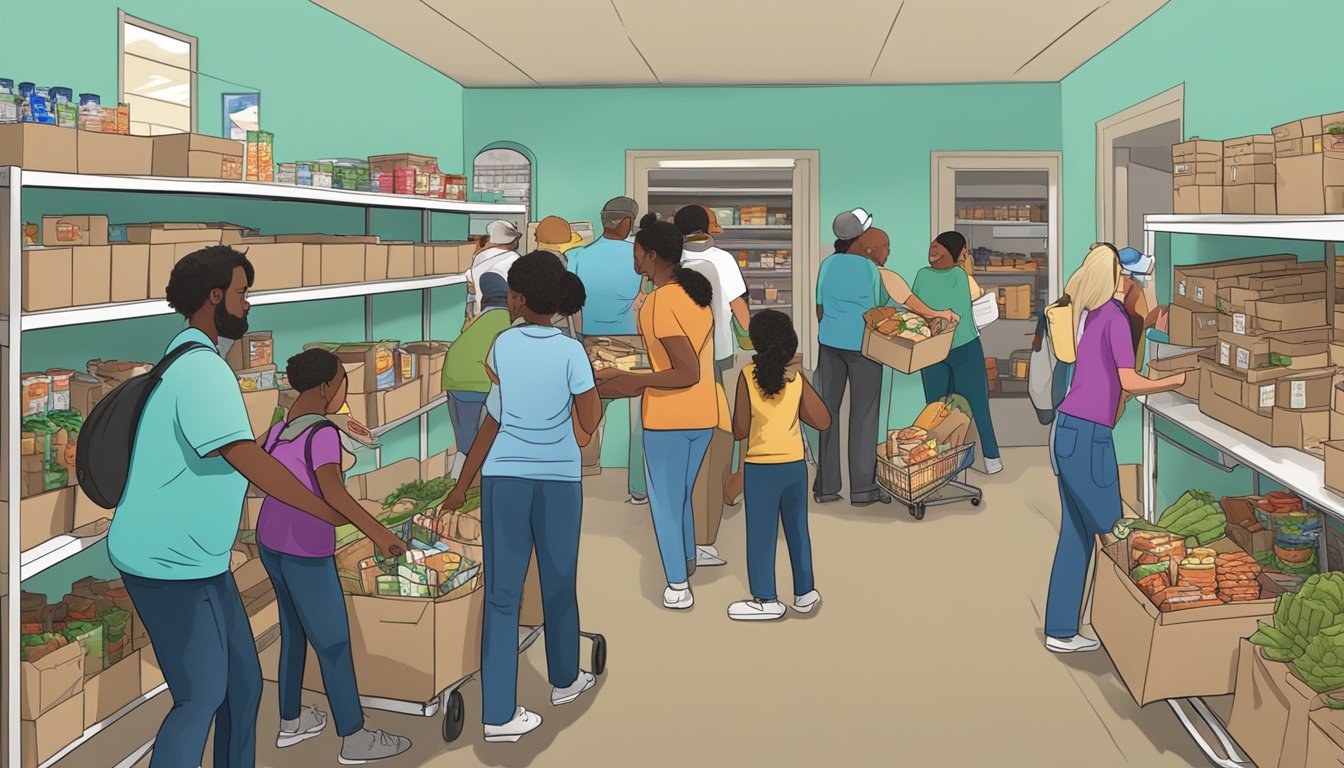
x: 1083, y: 453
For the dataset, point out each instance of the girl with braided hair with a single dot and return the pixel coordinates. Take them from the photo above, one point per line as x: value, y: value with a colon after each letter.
x: 773, y: 400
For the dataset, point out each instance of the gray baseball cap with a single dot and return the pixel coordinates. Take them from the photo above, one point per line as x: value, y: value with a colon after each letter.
x: 624, y: 207
x: 851, y: 224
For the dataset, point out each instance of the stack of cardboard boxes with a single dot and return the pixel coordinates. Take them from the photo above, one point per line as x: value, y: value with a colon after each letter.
x: 1248, y: 175
x: 388, y: 381
x: 1197, y: 176
x: 51, y: 148
x: 1309, y: 155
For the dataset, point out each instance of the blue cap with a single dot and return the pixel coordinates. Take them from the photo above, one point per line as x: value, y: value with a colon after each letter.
x: 1134, y: 262
x: 494, y: 288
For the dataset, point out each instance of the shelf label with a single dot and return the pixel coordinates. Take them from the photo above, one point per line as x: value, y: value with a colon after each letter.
x: 1199, y: 294
x: 1298, y: 397
x: 1224, y: 353
x: 1267, y: 396
x: 1243, y: 358
x: 1239, y: 323
x: 1180, y: 288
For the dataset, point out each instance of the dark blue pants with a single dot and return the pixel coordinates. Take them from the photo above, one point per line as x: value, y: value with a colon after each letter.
x: 312, y: 610
x: 1089, y: 494
x: 963, y: 373
x: 776, y: 493
x: 204, y: 645
x: 517, y: 515
x: 464, y: 411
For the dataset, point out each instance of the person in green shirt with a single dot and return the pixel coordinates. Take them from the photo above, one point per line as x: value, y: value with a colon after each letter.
x: 464, y: 376
x: 945, y: 285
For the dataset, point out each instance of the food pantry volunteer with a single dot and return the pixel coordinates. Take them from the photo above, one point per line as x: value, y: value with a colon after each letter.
x: 499, y: 250
x: 464, y: 377
x: 193, y: 456
x: 606, y: 267
x: 1083, y: 456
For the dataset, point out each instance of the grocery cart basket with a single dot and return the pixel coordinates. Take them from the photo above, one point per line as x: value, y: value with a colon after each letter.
x: 918, y: 486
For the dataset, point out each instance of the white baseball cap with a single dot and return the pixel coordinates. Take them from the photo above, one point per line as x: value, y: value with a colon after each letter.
x: 502, y: 232
x: 851, y: 224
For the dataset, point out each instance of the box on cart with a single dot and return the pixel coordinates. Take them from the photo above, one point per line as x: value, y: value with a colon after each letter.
x: 1167, y: 655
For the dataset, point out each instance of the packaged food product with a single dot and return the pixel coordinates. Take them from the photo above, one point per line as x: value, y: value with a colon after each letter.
x: 90, y: 112
x: 35, y: 393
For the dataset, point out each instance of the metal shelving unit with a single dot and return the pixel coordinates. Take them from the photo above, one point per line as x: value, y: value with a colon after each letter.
x: 13, y: 182
x: 1300, y: 472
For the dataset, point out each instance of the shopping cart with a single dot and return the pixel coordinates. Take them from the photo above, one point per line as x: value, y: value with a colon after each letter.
x: 921, y: 486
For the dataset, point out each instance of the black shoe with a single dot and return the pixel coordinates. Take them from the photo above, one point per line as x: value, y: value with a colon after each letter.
x: 829, y: 498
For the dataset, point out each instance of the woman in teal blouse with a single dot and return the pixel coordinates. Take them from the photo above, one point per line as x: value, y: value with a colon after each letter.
x: 945, y: 285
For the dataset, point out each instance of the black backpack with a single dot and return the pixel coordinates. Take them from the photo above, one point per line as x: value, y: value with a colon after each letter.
x: 103, y: 449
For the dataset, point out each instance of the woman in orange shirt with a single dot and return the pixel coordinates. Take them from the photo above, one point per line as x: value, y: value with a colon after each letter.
x: 682, y: 403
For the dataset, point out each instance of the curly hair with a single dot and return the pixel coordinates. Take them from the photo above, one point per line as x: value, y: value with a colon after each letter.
x: 311, y: 369
x: 547, y: 287
x: 664, y: 240
x: 776, y: 343
x: 691, y: 220
x: 199, y: 273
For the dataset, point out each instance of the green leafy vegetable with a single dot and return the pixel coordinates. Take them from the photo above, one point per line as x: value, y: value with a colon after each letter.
x: 1321, y: 666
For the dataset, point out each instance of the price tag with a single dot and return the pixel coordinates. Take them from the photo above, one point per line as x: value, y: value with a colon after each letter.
x: 1267, y: 396
x: 1298, y: 397
x: 1243, y: 358
x: 1180, y: 288
x: 1239, y: 323
x: 1199, y: 294
x: 1224, y: 353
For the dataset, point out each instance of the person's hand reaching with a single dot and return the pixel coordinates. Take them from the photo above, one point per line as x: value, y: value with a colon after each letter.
x: 389, y: 544
x: 457, y: 499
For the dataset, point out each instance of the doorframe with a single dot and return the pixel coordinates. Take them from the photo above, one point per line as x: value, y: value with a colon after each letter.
x: 943, y: 197
x: 806, y: 222
x: 1163, y: 108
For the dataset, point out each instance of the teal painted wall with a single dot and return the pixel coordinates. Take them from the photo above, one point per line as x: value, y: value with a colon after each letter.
x: 874, y: 144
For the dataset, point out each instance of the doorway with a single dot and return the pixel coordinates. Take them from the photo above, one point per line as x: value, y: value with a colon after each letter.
x: 1134, y: 165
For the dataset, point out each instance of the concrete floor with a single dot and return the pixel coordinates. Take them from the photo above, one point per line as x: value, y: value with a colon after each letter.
x: 926, y: 651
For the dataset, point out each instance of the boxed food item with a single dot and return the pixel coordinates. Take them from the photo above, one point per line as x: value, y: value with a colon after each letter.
x: 107, y: 692
x: 279, y: 266
x: 375, y: 263
x: 42, y: 737
x: 260, y: 156
x: 114, y: 154
x: 1243, y: 527
x: 160, y: 233
x: 1163, y: 654
x: 1191, y: 328
x: 1301, y: 350
x: 257, y: 379
x: 625, y: 353
x: 1017, y: 301
x: 69, y: 230
x: 130, y: 272
x: 255, y: 349
x: 1265, y: 389
x: 1187, y: 363
x: 1248, y: 175
x: 192, y: 155
x: 1310, y: 165
x: 45, y: 516
x: 400, y: 261
x: 429, y: 357
x: 49, y: 674
x: 91, y: 267
x: 48, y: 278
x: 904, y: 341
x: 1198, y: 176
x: 1197, y: 285
x: 1305, y: 430
x: 1334, y: 466
x: 37, y: 147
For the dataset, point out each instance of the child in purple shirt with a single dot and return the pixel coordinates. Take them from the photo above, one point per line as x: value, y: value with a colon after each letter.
x: 1083, y: 447
x: 297, y: 550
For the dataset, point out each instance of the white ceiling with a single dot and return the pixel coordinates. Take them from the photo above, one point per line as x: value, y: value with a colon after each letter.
x: 530, y: 43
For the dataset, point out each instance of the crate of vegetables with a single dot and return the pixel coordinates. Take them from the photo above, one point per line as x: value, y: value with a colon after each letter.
x: 905, y: 341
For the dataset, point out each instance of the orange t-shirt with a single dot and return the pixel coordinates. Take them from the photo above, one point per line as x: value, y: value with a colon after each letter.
x: 668, y: 313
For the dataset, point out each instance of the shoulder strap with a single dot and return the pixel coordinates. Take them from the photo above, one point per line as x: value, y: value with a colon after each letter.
x: 158, y: 370
x: 308, y: 450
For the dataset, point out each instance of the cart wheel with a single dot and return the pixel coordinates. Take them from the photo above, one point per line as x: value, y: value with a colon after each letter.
x: 975, y: 501
x: 911, y: 507
x: 599, y: 654
x: 453, y: 717
x: 919, y: 512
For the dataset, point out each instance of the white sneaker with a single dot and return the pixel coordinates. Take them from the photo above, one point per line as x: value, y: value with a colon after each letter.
x: 312, y: 721
x: 1075, y: 644
x: 678, y: 599
x: 708, y: 557
x: 755, y: 610
x: 581, y: 684
x: 993, y: 466
x: 639, y: 501
x: 522, y: 724
x: 807, y: 603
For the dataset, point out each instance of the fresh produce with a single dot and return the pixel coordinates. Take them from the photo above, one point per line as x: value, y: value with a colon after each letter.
x: 1321, y: 665
x: 417, y: 497
x: 894, y: 323
x: 1299, y: 617
x: 1142, y: 572
x: 1195, y: 515
x: 932, y: 415
x: 1335, y: 129
x: 1238, y: 577
x: 1198, y: 570
x: 35, y: 646
x: 1155, y: 548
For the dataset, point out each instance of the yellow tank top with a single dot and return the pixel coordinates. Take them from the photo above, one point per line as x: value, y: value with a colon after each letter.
x: 776, y: 435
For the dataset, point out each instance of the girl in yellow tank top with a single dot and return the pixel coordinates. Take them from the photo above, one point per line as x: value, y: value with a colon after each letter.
x: 774, y: 400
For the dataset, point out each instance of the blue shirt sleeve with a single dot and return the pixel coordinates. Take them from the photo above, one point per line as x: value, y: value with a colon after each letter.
x: 580, y: 370
x: 821, y: 279
x: 210, y: 410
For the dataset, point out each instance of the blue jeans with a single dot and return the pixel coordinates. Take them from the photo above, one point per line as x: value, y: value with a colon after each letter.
x: 673, y: 457
x: 204, y: 644
x: 1089, y: 494
x: 312, y: 610
x: 516, y: 515
x: 775, y: 493
x: 464, y: 411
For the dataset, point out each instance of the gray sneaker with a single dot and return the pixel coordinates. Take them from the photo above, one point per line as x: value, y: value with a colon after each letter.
x: 371, y: 746
x: 311, y: 722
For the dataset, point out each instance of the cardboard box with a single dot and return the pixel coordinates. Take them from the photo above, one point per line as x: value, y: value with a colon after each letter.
x: 904, y: 355
x: 1308, y: 348
x: 71, y: 230
x: 51, y: 680
x: 279, y: 266
x: 1325, y: 739
x: 429, y: 360
x: 1168, y: 655
x: 162, y: 258
x: 448, y: 258
x: 1190, y: 328
x: 1300, y: 430
x: 1197, y: 200
x: 1270, y: 711
x: 343, y: 263
x: 254, y: 350
x: 161, y: 233
x: 48, y: 278
x: 1275, y: 388
x: 1334, y: 466
x: 37, y: 147
x: 107, y: 692
x: 1187, y: 363
x: 1249, y: 150
x: 1131, y: 489
x: 1017, y: 301
x: 400, y: 261
x: 371, y: 366
x: 42, y: 738
x: 151, y: 675
x: 86, y: 512
x: 1203, y: 174
x: 92, y: 275
x: 261, y: 409
x: 319, y: 239
x: 1304, y: 179
x: 399, y: 403
x: 1197, y: 150
x: 1197, y: 285
x: 1257, y: 199
x: 45, y: 516
x: 130, y: 272
x: 1240, y: 512
x: 115, y: 154
x: 195, y: 156
x: 393, y: 163
x: 375, y: 263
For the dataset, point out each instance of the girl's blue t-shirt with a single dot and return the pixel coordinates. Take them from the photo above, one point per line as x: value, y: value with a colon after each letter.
x: 540, y: 371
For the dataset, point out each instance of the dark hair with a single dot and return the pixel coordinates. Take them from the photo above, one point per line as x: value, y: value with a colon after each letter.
x: 664, y: 239
x: 311, y: 369
x: 954, y: 242
x: 776, y: 343
x: 199, y: 273
x: 842, y: 245
x: 691, y: 219
x: 545, y: 284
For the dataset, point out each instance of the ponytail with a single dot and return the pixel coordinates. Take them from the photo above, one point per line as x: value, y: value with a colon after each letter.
x: 842, y: 245
x: 776, y: 343
x: 695, y: 285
